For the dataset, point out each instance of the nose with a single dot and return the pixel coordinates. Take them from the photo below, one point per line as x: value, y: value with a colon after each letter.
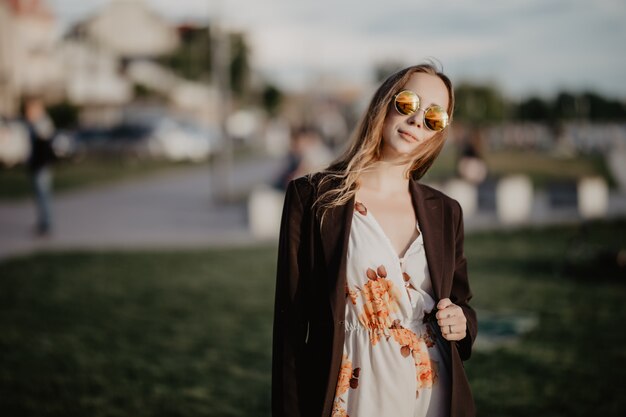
x: 416, y: 118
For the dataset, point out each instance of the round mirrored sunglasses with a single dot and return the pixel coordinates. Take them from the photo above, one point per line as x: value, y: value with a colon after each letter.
x: 407, y: 103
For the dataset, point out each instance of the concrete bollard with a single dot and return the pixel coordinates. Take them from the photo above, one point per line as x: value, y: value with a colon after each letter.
x: 264, y: 212
x: 465, y: 193
x: 514, y: 199
x: 593, y: 197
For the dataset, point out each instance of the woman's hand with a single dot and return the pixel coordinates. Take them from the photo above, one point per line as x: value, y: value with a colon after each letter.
x: 451, y: 320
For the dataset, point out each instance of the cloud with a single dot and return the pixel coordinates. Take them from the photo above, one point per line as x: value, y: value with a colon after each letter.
x: 522, y: 45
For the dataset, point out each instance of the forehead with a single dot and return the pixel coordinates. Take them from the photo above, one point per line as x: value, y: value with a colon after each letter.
x: 430, y: 88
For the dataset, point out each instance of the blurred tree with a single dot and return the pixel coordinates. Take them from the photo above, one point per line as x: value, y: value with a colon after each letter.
x: 534, y: 109
x: 271, y: 97
x: 566, y: 106
x: 192, y: 59
x: 479, y: 103
x: 599, y: 108
x: 239, y: 64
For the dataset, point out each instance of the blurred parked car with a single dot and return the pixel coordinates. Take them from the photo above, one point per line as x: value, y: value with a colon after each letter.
x: 183, y: 141
x: 156, y: 138
x: 120, y: 140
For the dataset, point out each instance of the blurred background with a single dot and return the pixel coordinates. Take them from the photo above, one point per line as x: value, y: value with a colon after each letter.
x: 144, y: 150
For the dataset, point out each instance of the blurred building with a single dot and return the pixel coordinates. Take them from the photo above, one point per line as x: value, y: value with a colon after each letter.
x: 28, y: 61
x: 102, y: 64
x: 98, y: 51
x: 130, y: 29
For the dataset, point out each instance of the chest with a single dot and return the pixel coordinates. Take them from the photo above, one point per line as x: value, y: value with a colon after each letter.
x: 396, y: 217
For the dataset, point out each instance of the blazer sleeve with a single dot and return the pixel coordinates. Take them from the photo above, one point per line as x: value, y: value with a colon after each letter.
x: 461, y: 293
x: 288, y: 310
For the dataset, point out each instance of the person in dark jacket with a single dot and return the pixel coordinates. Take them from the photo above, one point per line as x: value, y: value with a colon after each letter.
x: 41, y: 133
x: 372, y: 314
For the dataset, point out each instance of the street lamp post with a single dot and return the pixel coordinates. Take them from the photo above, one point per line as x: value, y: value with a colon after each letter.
x: 223, y: 166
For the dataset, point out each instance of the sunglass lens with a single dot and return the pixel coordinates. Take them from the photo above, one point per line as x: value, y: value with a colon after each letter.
x: 407, y: 102
x: 436, y: 118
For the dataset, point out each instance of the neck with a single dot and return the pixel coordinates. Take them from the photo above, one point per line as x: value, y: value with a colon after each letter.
x: 384, y: 176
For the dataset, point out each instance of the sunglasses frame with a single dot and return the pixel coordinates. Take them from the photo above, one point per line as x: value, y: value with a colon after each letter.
x: 395, y: 105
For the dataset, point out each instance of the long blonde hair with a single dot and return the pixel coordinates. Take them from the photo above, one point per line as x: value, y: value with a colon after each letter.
x: 366, y: 141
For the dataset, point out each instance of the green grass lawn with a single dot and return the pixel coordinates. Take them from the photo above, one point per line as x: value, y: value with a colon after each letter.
x: 189, y: 333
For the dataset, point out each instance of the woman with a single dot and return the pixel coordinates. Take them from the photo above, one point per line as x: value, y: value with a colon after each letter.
x: 372, y: 314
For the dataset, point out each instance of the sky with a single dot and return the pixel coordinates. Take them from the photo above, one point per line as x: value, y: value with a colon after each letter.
x: 524, y: 47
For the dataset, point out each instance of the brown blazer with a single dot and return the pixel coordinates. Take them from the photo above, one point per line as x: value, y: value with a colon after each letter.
x: 310, y: 299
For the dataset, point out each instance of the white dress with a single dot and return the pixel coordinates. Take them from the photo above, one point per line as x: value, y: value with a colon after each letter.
x: 392, y: 365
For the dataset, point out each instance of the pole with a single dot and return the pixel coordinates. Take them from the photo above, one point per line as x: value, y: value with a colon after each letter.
x: 223, y: 171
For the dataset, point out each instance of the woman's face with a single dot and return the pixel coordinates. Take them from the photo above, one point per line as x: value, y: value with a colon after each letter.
x: 403, y: 134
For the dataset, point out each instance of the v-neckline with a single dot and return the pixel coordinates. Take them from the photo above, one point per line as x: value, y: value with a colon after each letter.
x: 386, y: 237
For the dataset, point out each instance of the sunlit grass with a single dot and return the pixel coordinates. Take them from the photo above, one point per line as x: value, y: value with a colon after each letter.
x: 188, y: 333
x: 542, y: 168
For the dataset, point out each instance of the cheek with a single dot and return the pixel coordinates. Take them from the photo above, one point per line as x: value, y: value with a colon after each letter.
x: 429, y: 136
x: 388, y: 128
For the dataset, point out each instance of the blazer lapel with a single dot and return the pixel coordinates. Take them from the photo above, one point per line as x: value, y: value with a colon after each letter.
x: 430, y: 218
x: 335, y: 233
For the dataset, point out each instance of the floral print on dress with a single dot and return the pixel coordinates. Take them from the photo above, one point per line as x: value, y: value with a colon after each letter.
x: 352, y: 294
x: 425, y: 369
x: 408, y: 284
x: 411, y: 344
x: 389, y: 338
x: 429, y: 337
x: 380, y: 300
x: 348, y: 378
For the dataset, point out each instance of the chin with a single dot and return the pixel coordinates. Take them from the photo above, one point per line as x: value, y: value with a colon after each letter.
x: 400, y: 150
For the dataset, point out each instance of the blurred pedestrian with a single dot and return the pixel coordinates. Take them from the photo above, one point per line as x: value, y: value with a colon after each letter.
x: 470, y: 165
x: 307, y: 153
x: 372, y: 316
x: 41, y: 133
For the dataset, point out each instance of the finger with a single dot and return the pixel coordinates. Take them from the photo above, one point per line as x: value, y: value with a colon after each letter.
x: 442, y: 308
x: 446, y: 332
x: 452, y: 321
x: 450, y: 310
x: 443, y: 303
x: 454, y: 328
x: 451, y: 315
x: 454, y: 332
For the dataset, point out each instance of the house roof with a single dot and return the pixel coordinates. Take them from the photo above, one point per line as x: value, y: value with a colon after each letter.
x: 31, y: 8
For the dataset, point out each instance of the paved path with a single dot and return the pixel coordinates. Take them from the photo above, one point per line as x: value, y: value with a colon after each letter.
x: 171, y: 209
x: 176, y: 209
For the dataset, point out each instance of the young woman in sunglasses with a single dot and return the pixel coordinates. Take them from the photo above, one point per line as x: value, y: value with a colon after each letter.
x: 372, y: 315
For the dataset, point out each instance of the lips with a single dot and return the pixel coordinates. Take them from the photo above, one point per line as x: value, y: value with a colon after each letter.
x: 408, y: 135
